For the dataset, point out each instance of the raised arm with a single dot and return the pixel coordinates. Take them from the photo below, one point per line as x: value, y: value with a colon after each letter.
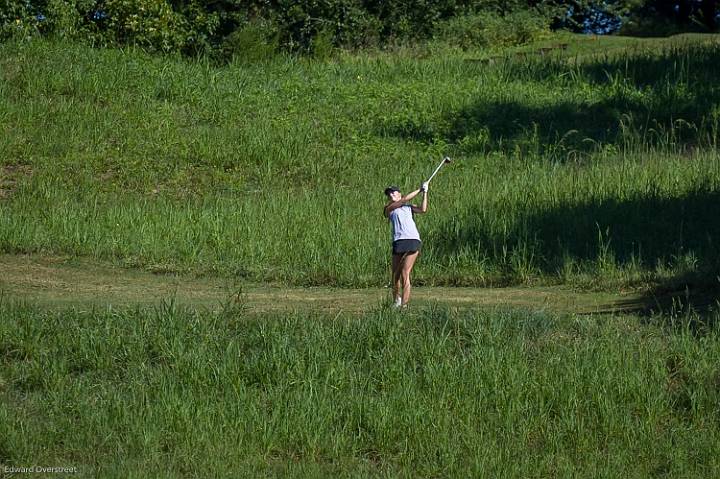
x: 397, y: 204
x: 424, y: 207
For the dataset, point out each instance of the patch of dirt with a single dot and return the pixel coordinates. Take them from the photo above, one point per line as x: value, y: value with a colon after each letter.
x: 10, y: 176
x: 63, y: 282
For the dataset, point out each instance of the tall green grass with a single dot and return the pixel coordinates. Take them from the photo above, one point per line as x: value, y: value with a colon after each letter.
x: 174, y: 392
x: 599, y: 170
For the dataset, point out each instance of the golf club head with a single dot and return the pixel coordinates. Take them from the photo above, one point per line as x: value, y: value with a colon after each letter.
x: 447, y: 159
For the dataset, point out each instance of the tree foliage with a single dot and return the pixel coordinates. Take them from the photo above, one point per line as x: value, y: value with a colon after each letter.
x: 684, y: 12
x: 226, y: 28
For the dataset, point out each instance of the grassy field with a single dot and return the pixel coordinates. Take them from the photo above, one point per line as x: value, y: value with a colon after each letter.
x: 175, y: 392
x: 251, y: 196
x: 593, y: 166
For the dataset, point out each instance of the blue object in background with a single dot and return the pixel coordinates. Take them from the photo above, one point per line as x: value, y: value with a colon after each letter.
x: 600, y: 22
x: 596, y: 19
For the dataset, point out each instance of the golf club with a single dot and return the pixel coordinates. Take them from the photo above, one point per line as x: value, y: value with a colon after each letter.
x: 444, y: 161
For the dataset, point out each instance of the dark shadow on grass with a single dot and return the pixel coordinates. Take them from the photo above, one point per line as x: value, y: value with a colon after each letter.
x: 650, y: 227
x: 679, y: 232
x: 691, y: 300
x: 670, y: 97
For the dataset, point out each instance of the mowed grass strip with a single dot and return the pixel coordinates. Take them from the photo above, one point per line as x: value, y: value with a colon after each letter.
x: 61, y: 283
x: 179, y: 392
x: 600, y: 169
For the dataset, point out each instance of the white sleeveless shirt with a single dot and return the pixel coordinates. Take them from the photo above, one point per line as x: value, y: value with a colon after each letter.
x: 403, y: 224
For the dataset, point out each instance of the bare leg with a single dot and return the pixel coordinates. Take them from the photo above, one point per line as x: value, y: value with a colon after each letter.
x: 406, y: 268
x: 396, y: 275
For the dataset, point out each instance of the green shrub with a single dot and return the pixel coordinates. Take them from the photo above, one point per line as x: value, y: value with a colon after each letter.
x: 527, y: 26
x: 322, y: 45
x: 256, y: 41
x: 204, y: 28
x: 150, y: 24
x: 358, y: 29
x: 17, y: 19
x: 68, y: 19
x: 196, y: 27
x: 486, y: 29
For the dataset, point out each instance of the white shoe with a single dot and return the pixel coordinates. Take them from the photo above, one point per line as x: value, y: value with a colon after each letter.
x: 397, y: 303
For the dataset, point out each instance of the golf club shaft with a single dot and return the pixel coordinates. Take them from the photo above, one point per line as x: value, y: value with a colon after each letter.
x: 445, y: 160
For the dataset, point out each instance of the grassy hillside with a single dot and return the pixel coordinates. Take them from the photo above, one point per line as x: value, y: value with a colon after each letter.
x: 591, y: 165
x: 179, y: 393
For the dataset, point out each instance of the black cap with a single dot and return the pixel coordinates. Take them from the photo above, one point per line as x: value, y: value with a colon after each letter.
x: 390, y: 189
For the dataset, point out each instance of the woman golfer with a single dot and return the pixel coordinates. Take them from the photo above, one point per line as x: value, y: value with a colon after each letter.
x: 406, y: 238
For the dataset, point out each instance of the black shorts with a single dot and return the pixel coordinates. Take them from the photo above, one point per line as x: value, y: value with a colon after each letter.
x: 406, y: 246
